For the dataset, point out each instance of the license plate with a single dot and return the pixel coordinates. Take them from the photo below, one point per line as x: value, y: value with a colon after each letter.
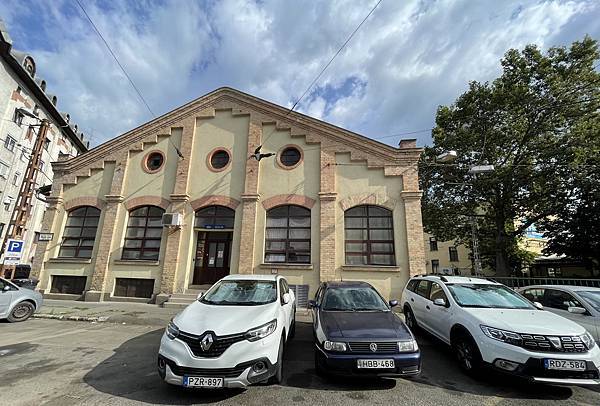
x: 202, y: 382
x: 375, y: 364
x: 564, y: 365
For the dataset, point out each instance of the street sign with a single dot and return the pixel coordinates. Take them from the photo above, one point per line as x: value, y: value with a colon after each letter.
x: 14, y: 252
x: 45, y: 236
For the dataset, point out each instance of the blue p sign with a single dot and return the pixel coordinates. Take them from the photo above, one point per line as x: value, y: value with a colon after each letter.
x: 14, y: 247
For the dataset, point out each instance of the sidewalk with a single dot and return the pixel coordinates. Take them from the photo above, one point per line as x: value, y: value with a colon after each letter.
x: 118, y: 312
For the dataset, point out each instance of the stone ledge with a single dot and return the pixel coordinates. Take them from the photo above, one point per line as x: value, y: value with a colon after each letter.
x: 287, y: 266
x: 370, y: 268
x: 135, y: 262
x: 70, y: 260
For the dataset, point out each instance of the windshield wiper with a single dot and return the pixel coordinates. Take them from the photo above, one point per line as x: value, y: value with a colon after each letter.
x: 336, y: 309
x: 367, y: 309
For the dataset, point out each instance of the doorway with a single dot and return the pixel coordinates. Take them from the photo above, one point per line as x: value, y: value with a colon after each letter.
x: 213, y: 253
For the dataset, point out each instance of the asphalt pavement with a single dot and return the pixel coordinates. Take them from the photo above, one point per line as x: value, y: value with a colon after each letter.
x: 55, y: 362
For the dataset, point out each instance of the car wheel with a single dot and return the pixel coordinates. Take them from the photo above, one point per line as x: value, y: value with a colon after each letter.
x: 467, y: 352
x: 318, y: 364
x: 21, y: 312
x: 278, y: 377
x: 410, y: 320
x: 292, y: 333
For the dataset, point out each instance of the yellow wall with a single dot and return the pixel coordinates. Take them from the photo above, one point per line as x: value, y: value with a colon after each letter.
x: 442, y: 254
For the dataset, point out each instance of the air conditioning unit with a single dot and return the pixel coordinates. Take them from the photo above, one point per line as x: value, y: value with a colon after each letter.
x: 172, y: 220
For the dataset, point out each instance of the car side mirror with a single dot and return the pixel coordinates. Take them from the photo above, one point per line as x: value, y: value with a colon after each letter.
x: 538, y: 305
x: 576, y: 310
x: 312, y: 304
x: 393, y: 303
x: 439, y: 302
x: 286, y: 298
x: 200, y: 295
x: 6, y: 288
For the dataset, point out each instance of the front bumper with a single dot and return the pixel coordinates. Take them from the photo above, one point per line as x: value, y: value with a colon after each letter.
x: 406, y: 364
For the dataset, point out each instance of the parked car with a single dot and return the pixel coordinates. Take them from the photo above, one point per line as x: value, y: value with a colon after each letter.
x: 488, y: 324
x: 17, y: 303
x: 356, y: 333
x: 232, y: 336
x: 580, y: 304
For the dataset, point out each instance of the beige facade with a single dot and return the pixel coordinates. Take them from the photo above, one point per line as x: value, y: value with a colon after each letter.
x: 440, y: 259
x: 337, y: 170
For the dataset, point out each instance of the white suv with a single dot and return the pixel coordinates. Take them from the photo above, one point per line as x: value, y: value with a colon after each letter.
x: 488, y: 324
x: 232, y: 336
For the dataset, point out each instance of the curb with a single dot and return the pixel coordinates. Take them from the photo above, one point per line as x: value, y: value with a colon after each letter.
x: 70, y: 318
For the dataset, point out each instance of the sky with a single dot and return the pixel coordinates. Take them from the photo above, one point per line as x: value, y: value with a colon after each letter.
x: 407, y: 59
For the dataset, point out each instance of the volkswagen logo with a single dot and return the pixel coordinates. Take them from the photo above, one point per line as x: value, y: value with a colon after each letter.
x: 373, y: 347
x: 206, y: 342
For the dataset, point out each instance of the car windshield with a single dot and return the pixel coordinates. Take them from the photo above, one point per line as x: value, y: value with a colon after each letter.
x: 487, y: 296
x: 241, y: 293
x: 592, y: 298
x: 353, y: 299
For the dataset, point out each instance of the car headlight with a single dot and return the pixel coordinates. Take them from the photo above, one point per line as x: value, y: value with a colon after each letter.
x: 172, y: 330
x: 261, y: 332
x: 334, y: 346
x: 408, y: 346
x: 502, y: 335
x: 588, y: 340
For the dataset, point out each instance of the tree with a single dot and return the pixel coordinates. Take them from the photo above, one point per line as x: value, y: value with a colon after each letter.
x: 522, y: 123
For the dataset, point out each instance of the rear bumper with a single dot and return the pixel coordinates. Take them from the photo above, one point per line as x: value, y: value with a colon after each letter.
x: 406, y: 364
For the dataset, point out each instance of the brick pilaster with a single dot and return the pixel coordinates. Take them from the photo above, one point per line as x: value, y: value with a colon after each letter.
x: 250, y: 201
x: 42, y: 250
x: 327, y: 226
x: 414, y: 231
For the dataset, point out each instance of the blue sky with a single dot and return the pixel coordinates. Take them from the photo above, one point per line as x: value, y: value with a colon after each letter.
x: 408, y: 58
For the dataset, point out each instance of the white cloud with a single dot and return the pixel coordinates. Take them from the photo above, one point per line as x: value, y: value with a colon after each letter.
x: 409, y: 56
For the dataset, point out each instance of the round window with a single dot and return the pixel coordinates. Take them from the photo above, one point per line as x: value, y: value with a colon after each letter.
x: 290, y: 156
x: 219, y: 159
x: 155, y: 161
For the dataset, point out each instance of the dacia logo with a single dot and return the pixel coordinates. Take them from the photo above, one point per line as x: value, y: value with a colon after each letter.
x: 207, y: 342
x: 555, y: 341
x: 373, y: 347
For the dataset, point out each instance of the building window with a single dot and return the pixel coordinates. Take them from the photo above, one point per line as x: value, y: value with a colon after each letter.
x: 4, y: 170
x: 15, y: 181
x: 144, y: 231
x: 453, y: 253
x: 41, y: 165
x: 18, y: 117
x: 369, y: 234
x: 433, y: 244
x: 215, y: 217
x: 1, y: 228
x: 19, y: 89
x: 134, y: 287
x: 7, y: 201
x: 289, y: 157
x: 10, y: 143
x: 154, y: 161
x: 288, y: 235
x: 80, y: 233
x: 24, y: 157
x: 73, y: 285
x: 47, y: 144
x: 36, y: 110
x: 435, y: 265
x: 218, y: 159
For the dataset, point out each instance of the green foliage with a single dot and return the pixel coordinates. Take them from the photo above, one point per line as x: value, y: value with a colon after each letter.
x: 523, y: 123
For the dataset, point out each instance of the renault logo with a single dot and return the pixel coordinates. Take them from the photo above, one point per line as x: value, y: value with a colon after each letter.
x: 207, y: 342
x: 373, y: 347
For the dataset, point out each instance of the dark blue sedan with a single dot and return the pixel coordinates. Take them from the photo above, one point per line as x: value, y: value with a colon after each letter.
x: 356, y: 333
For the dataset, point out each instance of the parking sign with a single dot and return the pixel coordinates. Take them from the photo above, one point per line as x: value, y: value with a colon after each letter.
x: 14, y: 252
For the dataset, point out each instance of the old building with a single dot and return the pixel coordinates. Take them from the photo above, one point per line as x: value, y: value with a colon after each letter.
x: 328, y: 204
x: 23, y: 92
x: 447, y: 257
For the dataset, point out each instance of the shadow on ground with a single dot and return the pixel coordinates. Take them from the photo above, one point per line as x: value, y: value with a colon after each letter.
x: 131, y: 373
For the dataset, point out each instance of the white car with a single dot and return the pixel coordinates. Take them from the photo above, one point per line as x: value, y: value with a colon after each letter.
x: 580, y: 304
x: 488, y: 324
x: 232, y: 336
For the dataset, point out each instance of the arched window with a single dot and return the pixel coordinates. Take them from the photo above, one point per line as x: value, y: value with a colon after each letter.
x: 369, y: 234
x: 288, y: 235
x: 80, y: 233
x: 215, y: 217
x: 144, y: 231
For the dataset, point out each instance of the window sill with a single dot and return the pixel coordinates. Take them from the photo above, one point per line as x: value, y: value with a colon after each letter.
x: 71, y: 260
x: 136, y: 262
x: 370, y: 268
x: 284, y: 266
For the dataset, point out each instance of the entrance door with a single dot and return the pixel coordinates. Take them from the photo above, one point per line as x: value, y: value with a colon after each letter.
x: 212, y: 257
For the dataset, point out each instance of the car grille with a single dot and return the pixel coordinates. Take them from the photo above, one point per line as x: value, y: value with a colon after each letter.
x: 383, y: 347
x: 218, y: 347
x: 221, y: 372
x: 553, y: 343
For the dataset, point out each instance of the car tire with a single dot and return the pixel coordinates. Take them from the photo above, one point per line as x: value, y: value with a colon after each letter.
x: 292, y: 333
x: 278, y: 377
x: 320, y: 371
x: 410, y: 319
x: 21, y: 312
x: 467, y: 352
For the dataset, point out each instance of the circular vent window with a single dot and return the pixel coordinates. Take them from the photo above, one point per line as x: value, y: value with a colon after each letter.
x: 154, y: 161
x: 219, y: 160
x: 290, y: 157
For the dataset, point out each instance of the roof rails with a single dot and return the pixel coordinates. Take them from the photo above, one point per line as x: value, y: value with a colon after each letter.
x: 442, y: 277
